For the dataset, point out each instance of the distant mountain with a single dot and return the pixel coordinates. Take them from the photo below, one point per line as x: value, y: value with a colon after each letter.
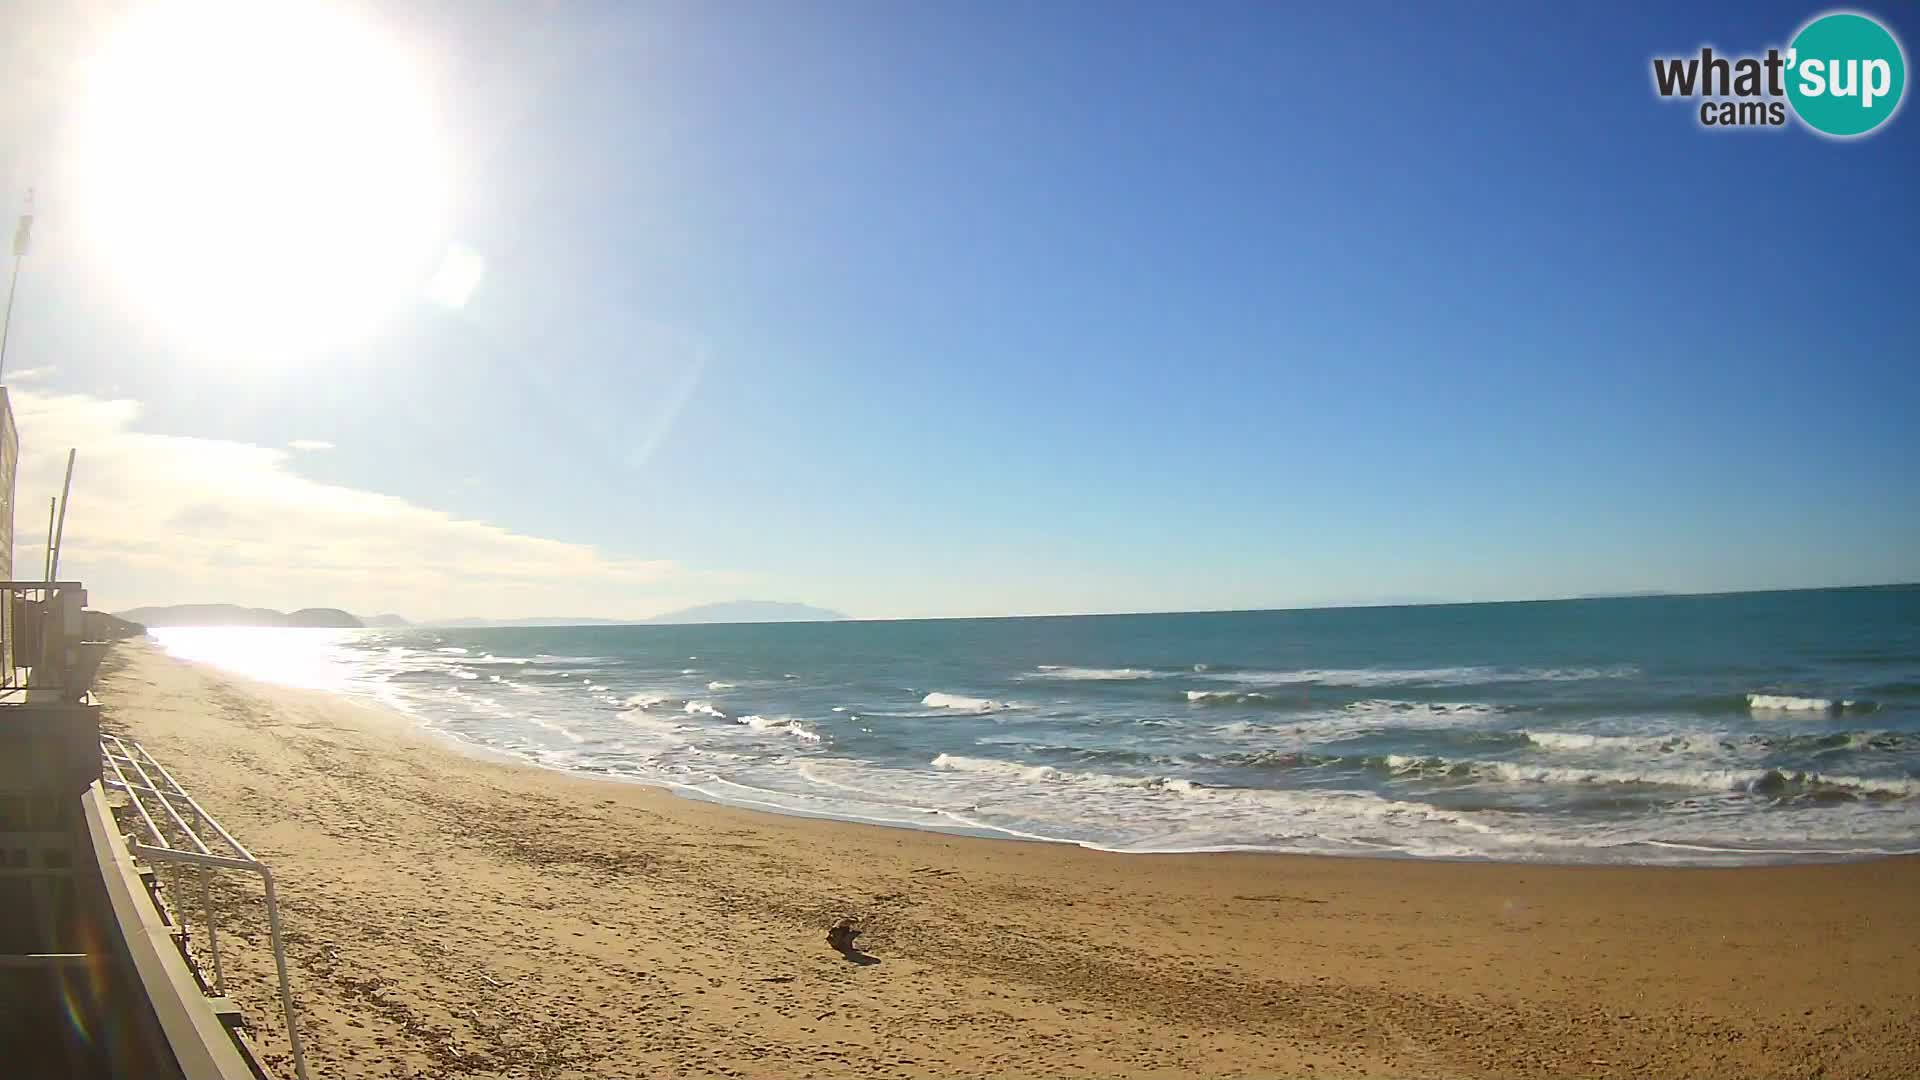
x: 539, y: 620
x: 322, y: 616
x: 100, y: 626
x: 749, y: 611
x: 384, y: 620
x: 233, y: 615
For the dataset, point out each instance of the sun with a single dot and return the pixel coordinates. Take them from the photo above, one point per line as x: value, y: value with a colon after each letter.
x: 259, y: 180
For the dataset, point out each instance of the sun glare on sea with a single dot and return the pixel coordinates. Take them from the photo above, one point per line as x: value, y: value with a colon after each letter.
x: 259, y: 179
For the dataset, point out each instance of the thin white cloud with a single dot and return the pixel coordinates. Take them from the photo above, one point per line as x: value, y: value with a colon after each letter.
x: 174, y: 519
x: 310, y: 444
x: 28, y: 374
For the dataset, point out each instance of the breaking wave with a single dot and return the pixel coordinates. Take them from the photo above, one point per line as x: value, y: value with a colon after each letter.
x: 1225, y: 697
x: 783, y: 724
x: 1696, y: 743
x: 1085, y: 674
x: 1348, y: 803
x: 1712, y: 742
x: 1790, y: 703
x: 1445, y: 676
x: 962, y: 703
x: 1782, y: 783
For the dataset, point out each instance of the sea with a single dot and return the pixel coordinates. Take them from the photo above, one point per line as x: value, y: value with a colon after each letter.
x: 1701, y: 730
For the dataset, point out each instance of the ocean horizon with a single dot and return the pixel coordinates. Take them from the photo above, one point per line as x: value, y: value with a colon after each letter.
x: 555, y: 622
x: 1714, y: 729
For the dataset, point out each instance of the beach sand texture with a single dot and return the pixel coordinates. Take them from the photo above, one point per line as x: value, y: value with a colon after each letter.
x: 450, y: 915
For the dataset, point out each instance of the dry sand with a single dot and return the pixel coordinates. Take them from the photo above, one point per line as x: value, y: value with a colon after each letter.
x: 455, y: 916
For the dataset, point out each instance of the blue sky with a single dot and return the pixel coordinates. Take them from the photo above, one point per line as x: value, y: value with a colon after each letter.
x: 995, y: 308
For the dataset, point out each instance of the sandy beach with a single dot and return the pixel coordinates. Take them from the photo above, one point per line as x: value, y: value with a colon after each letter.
x: 450, y: 915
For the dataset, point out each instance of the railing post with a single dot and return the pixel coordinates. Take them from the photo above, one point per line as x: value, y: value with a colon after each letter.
x: 286, y: 988
x: 213, y: 933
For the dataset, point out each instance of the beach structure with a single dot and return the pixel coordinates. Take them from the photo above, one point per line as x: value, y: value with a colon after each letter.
x: 99, y: 974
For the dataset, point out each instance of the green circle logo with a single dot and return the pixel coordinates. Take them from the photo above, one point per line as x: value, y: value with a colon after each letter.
x: 1845, y: 74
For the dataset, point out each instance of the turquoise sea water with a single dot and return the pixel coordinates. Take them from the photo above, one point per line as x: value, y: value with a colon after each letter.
x: 1718, y: 729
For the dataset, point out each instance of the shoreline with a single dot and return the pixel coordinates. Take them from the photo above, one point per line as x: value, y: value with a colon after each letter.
x: 1781, y: 857
x: 459, y: 912
x: 945, y: 822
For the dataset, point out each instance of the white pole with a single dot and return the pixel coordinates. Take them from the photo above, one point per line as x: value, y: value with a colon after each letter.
x: 46, y: 564
x: 21, y: 237
x: 53, y: 570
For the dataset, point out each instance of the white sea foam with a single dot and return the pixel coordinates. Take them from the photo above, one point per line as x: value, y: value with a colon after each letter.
x: 1404, y: 763
x: 704, y: 708
x: 991, y: 767
x: 1379, y: 712
x: 1382, y: 714
x: 1758, y: 781
x: 1085, y: 674
x: 962, y: 703
x: 718, y: 685
x: 1790, y: 703
x: 1527, y: 772
x: 1295, y: 732
x: 1678, y: 743
x: 657, y: 726
x: 1141, y: 814
x: 1444, y: 676
x: 1424, y: 713
x: 1224, y: 696
x: 781, y: 723
x: 1342, y: 804
x: 557, y: 728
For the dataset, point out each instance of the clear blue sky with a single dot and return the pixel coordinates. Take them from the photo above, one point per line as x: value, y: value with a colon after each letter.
x: 924, y: 309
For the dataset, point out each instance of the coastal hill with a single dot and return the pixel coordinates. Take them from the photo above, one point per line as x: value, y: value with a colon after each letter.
x: 100, y: 626
x: 538, y: 620
x: 234, y: 615
x: 749, y: 611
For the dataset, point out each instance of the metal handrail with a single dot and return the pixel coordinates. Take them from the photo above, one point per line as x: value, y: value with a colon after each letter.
x: 117, y: 757
x: 206, y: 889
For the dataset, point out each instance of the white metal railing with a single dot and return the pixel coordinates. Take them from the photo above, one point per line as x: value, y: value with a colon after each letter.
x: 151, y: 789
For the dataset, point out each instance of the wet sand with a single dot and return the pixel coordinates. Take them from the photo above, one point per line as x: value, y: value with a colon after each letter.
x: 450, y: 915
